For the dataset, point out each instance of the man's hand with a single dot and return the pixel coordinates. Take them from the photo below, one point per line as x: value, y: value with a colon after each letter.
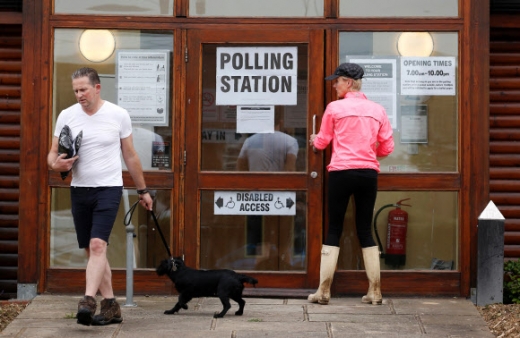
x: 146, y: 201
x: 63, y: 164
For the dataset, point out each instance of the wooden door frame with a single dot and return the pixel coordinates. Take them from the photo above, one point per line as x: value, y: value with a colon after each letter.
x: 473, y: 27
x: 472, y: 180
x: 210, y: 180
x: 145, y: 280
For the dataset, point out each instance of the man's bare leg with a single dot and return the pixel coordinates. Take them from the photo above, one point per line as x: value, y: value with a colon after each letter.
x: 95, y: 275
x: 105, y: 288
x: 99, y: 275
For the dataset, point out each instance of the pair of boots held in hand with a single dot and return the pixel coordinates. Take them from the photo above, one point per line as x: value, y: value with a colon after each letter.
x: 329, y: 259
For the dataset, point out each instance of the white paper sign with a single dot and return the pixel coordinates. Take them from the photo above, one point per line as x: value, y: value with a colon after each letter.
x: 428, y: 76
x: 143, y: 80
x: 257, y: 75
x: 380, y: 84
x: 254, y: 203
x: 414, y: 124
x: 255, y: 119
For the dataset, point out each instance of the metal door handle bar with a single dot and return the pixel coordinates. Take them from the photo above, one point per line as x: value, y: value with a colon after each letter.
x: 314, y: 130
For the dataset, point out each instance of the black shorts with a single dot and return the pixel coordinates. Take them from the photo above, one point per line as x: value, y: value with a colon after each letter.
x: 94, y: 211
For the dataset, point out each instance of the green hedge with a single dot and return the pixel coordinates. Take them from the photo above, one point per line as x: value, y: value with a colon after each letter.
x: 512, y: 282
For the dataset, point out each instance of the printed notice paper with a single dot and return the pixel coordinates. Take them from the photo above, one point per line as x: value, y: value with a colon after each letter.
x: 143, y: 80
x: 428, y: 76
x: 255, y: 119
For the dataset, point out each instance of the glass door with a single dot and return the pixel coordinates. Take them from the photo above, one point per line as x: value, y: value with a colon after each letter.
x: 253, y: 186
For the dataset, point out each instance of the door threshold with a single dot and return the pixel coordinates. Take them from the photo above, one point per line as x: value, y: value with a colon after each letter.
x: 277, y: 292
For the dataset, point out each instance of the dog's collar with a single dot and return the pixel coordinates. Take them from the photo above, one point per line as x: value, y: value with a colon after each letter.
x: 174, y: 267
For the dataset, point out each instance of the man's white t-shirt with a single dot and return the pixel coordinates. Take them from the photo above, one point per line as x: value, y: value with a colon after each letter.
x: 99, y: 162
x: 268, y: 152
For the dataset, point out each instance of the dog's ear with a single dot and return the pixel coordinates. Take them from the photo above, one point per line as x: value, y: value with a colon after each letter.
x: 162, y: 268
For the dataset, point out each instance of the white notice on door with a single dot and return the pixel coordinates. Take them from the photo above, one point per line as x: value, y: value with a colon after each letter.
x: 254, y: 203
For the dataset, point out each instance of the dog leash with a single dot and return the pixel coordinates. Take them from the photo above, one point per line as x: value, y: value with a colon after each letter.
x: 128, y: 219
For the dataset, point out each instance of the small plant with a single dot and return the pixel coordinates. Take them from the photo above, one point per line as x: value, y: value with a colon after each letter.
x: 255, y: 320
x: 70, y: 316
x: 512, y: 282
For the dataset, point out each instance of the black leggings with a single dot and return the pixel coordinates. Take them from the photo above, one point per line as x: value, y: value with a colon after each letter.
x: 362, y: 183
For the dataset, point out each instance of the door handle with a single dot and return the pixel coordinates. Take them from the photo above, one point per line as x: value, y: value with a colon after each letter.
x: 314, y: 130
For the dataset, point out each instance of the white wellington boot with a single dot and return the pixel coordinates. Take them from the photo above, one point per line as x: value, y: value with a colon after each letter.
x: 329, y: 259
x: 373, y: 269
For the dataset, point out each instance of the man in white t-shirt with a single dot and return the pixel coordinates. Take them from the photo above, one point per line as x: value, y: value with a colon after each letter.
x: 275, y: 151
x: 265, y: 152
x: 97, y: 185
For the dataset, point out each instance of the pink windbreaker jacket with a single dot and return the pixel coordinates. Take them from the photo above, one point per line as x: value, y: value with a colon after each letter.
x: 359, y: 130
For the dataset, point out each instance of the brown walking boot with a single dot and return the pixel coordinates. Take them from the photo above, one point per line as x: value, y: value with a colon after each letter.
x: 86, y: 310
x: 110, y: 313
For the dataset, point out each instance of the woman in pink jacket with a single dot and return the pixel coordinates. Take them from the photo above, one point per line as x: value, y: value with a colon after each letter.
x: 360, y: 133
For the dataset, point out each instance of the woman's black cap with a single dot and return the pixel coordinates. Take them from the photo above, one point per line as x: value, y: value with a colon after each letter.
x: 351, y: 70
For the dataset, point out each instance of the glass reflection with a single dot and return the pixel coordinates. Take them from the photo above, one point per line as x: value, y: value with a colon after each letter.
x: 115, y: 7
x: 152, y: 141
x: 149, y: 249
x: 276, y: 151
x: 399, y: 8
x: 222, y: 147
x: 254, y: 8
x: 430, y: 237
x: 425, y: 126
x: 252, y: 242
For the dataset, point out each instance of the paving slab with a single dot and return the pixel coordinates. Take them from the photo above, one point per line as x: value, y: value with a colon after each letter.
x: 172, y: 333
x: 381, y: 328
x: 456, y: 306
x: 59, y: 331
x: 364, y: 318
x: 354, y: 309
x: 53, y: 316
x: 279, y: 334
x: 455, y: 325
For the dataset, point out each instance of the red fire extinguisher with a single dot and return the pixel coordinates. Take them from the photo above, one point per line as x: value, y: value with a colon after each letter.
x: 395, y: 235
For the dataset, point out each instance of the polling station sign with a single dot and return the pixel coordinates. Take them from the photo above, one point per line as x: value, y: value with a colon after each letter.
x: 255, y: 203
x: 257, y: 76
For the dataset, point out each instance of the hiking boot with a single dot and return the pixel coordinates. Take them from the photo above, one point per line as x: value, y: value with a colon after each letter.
x: 86, y: 310
x: 110, y: 313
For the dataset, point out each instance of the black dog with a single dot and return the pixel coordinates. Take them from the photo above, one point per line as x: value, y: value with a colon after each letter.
x: 224, y: 284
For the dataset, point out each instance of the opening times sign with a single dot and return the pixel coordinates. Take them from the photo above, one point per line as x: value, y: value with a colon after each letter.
x: 255, y: 203
x: 257, y: 76
x: 428, y: 76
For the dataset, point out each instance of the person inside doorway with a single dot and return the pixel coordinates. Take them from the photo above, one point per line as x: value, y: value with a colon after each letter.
x: 269, y: 151
x: 263, y: 152
x: 97, y: 185
x: 360, y: 133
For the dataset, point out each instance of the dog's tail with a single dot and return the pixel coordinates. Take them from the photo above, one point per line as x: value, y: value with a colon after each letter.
x: 247, y: 279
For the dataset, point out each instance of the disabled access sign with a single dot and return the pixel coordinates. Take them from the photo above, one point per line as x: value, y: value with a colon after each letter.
x: 255, y: 203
